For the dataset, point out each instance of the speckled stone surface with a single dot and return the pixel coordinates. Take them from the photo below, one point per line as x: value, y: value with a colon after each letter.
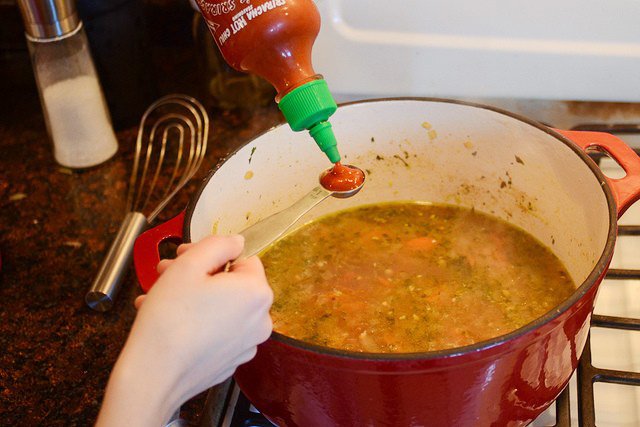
x: 55, y: 228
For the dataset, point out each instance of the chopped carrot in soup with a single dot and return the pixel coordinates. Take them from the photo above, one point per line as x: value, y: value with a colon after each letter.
x: 410, y: 277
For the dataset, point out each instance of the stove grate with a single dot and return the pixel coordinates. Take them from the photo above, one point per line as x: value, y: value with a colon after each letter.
x: 588, y: 374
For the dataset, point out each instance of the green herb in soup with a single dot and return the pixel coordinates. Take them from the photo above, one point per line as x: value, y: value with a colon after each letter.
x: 410, y: 277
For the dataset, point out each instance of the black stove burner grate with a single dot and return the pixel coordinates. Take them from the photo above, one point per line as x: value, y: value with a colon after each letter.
x: 248, y: 416
x: 588, y: 374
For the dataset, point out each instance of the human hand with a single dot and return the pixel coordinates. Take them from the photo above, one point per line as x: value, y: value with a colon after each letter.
x: 193, y: 328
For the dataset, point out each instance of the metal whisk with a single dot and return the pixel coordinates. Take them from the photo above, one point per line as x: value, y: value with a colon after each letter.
x: 174, y: 146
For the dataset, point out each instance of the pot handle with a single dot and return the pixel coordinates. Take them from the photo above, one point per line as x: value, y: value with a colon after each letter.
x: 146, y: 251
x: 626, y: 190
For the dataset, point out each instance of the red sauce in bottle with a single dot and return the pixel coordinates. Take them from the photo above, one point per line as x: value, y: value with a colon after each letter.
x: 270, y: 38
x: 342, y: 178
x: 273, y: 39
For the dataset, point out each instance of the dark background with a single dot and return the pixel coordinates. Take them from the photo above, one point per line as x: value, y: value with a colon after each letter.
x: 56, y: 224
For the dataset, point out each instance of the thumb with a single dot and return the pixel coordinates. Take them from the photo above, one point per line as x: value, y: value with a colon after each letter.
x: 212, y: 253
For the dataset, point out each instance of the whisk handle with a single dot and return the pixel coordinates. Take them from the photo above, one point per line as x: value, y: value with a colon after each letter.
x: 146, y: 253
x: 107, y: 283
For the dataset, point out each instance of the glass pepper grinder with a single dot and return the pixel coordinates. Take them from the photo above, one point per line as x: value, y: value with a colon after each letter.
x: 73, y: 104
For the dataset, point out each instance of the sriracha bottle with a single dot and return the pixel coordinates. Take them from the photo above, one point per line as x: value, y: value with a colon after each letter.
x: 273, y: 39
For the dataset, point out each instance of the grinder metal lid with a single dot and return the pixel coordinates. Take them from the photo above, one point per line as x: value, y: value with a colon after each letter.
x: 49, y: 19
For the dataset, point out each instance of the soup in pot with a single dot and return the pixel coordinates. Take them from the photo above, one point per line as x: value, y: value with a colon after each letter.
x: 410, y: 277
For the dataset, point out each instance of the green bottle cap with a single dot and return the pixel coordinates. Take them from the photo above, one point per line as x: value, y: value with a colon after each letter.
x: 308, y: 107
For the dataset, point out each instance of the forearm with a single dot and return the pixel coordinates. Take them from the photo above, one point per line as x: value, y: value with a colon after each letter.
x: 139, y: 393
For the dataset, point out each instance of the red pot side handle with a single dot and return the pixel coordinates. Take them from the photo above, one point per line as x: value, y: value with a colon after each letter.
x: 626, y: 190
x: 146, y: 250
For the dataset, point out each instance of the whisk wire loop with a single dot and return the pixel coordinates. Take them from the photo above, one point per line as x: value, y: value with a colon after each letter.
x: 171, y: 132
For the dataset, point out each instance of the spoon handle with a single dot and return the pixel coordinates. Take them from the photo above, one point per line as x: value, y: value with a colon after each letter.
x: 261, y: 234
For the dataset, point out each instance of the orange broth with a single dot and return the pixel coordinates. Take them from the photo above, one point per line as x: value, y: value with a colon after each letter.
x: 410, y: 277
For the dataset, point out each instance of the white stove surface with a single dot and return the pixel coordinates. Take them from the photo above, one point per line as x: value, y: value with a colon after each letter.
x: 615, y: 405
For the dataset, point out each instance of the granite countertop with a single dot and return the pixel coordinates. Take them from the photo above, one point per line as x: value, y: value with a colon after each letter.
x: 56, y: 225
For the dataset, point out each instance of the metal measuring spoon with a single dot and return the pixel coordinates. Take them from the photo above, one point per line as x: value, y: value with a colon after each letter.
x: 261, y: 234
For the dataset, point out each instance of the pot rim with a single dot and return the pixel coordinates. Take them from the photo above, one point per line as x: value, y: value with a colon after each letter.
x: 592, y: 279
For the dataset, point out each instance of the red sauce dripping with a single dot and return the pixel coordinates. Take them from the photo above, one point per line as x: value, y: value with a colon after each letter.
x: 342, y: 178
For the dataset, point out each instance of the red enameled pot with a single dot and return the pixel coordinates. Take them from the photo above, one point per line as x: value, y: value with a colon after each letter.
x: 538, y: 178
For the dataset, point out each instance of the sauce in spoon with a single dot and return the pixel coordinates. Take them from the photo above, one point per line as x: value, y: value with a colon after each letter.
x: 342, y: 178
